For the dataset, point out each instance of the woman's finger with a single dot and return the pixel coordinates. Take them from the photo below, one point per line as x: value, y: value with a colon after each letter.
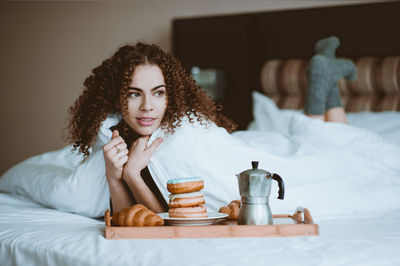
x: 111, y: 151
x: 118, y: 156
x: 115, y: 153
x: 142, y: 142
x: 113, y: 142
x: 118, y: 148
x: 115, y: 134
x: 122, y: 153
x: 139, y: 144
x: 122, y: 146
x: 121, y: 161
x: 153, y: 147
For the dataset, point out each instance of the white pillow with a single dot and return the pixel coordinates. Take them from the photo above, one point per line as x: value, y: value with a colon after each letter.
x: 268, y: 117
x: 60, y: 180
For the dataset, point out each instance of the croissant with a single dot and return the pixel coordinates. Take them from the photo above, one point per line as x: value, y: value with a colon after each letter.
x: 136, y: 215
x: 232, y: 209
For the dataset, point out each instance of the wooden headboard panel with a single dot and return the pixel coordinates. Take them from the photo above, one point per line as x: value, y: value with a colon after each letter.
x: 240, y: 45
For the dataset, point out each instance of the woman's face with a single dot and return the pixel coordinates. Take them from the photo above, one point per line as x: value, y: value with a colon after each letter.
x: 147, y: 99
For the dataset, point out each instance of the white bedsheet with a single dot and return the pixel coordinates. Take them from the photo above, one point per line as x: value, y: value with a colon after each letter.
x: 33, y: 235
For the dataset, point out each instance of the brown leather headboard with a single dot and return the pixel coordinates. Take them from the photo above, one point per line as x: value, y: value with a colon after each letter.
x: 377, y: 87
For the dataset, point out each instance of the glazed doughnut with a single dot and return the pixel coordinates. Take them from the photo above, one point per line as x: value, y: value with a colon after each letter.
x: 185, y: 185
x: 189, y: 212
x: 186, y: 199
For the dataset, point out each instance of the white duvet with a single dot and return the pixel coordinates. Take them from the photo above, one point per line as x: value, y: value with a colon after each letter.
x: 348, y: 176
x: 327, y: 167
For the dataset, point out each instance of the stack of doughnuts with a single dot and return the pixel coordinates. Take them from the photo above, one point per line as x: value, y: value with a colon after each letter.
x: 186, y: 199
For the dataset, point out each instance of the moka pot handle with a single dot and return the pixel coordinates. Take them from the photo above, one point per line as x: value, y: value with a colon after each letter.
x: 281, y: 184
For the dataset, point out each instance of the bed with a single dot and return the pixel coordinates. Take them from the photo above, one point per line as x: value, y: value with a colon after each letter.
x: 33, y: 235
x: 60, y: 222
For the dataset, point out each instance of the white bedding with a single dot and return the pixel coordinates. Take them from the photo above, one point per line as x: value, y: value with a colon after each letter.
x: 322, y: 164
x: 348, y: 176
x: 33, y: 235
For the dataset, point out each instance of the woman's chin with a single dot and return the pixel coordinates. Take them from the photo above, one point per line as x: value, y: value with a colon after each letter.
x: 145, y: 131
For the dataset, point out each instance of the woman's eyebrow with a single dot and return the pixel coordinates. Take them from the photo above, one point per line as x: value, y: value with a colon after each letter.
x: 137, y: 89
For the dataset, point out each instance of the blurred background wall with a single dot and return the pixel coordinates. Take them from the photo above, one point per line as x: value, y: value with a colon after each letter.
x: 47, y: 49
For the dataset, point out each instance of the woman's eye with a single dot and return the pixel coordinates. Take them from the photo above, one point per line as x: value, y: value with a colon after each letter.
x: 134, y: 94
x: 159, y: 93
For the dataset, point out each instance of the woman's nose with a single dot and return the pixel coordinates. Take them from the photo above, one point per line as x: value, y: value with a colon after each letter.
x: 146, y: 104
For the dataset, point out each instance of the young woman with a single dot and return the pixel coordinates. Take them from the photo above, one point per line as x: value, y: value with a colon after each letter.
x: 150, y: 89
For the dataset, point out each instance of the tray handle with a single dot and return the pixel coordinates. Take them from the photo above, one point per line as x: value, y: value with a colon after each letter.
x: 107, y: 218
x: 302, y: 215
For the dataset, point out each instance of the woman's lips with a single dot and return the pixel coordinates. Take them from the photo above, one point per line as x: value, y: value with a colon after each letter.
x: 145, y: 121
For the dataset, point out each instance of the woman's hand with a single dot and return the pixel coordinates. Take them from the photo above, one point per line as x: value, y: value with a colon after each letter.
x: 139, y: 156
x: 115, y: 156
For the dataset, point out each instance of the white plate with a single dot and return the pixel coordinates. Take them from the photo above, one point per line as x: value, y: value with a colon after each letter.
x: 213, y: 217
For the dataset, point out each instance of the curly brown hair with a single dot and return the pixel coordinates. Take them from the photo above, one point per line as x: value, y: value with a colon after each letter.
x: 106, y: 91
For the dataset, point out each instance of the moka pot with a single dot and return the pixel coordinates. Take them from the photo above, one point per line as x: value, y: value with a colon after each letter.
x: 255, y: 188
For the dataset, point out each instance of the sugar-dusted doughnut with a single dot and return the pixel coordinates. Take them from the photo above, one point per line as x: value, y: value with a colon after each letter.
x: 186, y: 199
x: 185, y: 185
x: 189, y: 212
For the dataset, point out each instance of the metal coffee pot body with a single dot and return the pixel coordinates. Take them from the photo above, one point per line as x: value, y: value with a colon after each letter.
x: 255, y: 188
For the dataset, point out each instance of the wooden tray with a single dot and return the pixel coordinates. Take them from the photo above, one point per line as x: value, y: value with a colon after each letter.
x: 298, y: 224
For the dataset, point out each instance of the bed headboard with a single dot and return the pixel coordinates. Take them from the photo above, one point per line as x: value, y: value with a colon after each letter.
x: 377, y: 87
x: 280, y: 42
